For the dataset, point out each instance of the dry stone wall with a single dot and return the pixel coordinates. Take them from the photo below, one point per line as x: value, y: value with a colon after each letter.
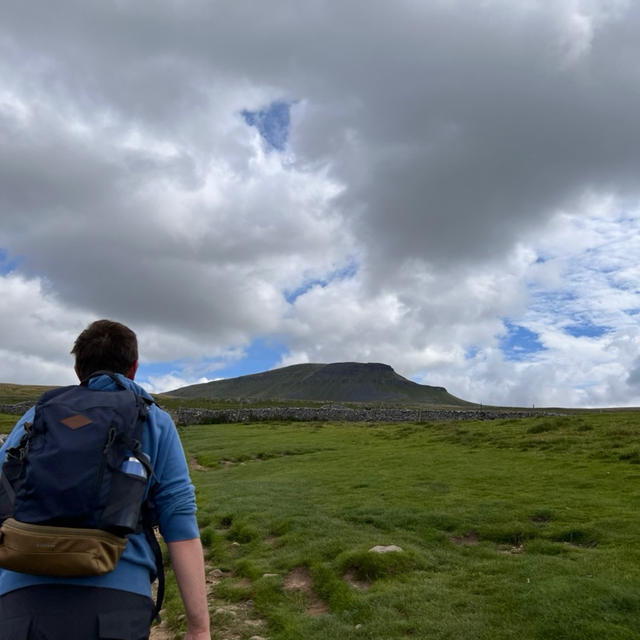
x: 17, y: 409
x: 185, y: 416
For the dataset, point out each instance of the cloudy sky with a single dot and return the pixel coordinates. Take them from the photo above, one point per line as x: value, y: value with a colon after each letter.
x: 448, y: 187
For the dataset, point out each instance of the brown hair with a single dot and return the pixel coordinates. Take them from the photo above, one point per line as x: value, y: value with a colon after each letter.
x: 105, y: 345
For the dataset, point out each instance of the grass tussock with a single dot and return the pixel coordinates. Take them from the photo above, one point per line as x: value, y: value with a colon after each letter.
x: 369, y: 566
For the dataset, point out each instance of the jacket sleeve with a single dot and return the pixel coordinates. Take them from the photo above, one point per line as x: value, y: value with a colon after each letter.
x: 16, y: 433
x: 174, y: 493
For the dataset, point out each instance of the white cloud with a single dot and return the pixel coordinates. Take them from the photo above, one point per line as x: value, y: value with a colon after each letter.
x: 37, y: 331
x: 168, y: 382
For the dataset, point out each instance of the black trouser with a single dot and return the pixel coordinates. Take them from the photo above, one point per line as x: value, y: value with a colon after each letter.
x: 64, y: 612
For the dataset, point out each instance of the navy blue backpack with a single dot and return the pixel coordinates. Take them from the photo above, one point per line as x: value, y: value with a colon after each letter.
x: 73, y: 489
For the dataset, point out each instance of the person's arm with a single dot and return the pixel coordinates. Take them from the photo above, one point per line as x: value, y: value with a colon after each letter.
x: 188, y: 565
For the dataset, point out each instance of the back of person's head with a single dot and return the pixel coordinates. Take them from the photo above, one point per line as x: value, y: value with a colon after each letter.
x: 105, y: 345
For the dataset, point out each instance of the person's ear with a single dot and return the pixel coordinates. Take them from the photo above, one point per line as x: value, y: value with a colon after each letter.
x: 131, y: 374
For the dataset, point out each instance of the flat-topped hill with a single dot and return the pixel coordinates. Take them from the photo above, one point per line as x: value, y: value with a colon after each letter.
x: 337, y: 382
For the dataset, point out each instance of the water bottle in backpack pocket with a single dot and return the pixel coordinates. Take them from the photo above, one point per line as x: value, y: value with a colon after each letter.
x: 128, y: 483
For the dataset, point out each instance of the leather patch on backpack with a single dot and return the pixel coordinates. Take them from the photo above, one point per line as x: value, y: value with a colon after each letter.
x: 76, y: 422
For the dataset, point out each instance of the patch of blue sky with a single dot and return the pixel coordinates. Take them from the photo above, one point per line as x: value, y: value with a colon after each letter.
x: 273, y: 123
x: 471, y: 352
x: 146, y: 369
x: 519, y: 342
x: 261, y: 355
x: 553, y: 302
x: 553, y: 297
x: 344, y: 273
x: 8, y: 263
x: 587, y: 330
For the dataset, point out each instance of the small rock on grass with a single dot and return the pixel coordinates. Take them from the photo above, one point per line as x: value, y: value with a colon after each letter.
x: 392, y: 548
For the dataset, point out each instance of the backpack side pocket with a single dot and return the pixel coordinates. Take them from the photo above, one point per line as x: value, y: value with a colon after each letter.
x: 122, y: 513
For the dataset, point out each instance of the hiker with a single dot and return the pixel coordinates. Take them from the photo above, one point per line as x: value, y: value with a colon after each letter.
x: 117, y: 604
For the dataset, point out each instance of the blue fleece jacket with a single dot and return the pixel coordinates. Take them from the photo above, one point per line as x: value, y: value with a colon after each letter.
x: 175, y: 499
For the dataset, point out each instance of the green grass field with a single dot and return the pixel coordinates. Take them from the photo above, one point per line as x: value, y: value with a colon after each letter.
x: 521, y: 529
x: 7, y: 421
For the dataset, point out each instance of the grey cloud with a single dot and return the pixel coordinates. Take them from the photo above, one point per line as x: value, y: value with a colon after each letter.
x: 477, y: 160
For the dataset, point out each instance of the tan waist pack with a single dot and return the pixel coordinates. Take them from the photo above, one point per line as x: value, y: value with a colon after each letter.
x: 58, y: 551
